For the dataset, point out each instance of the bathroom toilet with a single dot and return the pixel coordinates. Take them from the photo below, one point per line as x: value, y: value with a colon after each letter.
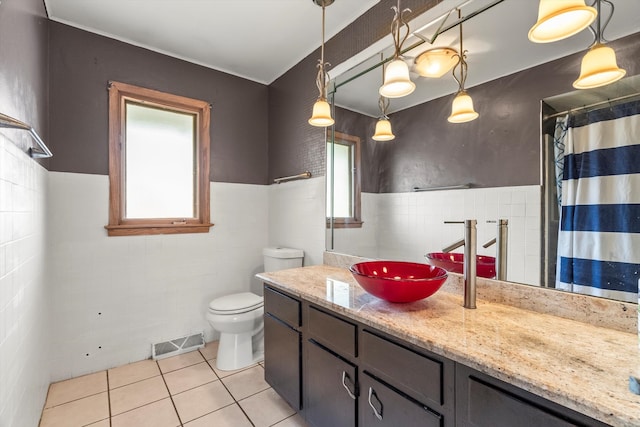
x: 239, y: 317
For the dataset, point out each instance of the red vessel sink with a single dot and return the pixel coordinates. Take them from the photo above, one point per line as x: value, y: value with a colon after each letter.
x: 398, y: 281
x: 454, y: 262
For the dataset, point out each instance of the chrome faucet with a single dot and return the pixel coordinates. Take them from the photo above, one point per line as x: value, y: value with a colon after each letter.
x: 470, y: 266
x: 501, y: 248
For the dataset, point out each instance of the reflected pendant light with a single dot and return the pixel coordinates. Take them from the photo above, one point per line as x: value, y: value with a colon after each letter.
x: 436, y: 62
x: 599, y: 66
x: 559, y: 19
x: 321, y: 114
x: 383, y: 125
x: 462, y: 107
x: 397, y: 82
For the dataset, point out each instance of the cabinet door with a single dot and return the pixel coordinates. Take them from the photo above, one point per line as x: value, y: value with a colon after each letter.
x: 282, y: 362
x: 330, y: 388
x: 381, y: 406
x: 482, y: 401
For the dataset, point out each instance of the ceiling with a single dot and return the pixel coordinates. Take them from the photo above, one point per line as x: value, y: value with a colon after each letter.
x: 497, y: 45
x: 255, y: 39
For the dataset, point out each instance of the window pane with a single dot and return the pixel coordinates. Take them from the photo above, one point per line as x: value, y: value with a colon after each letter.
x: 159, y: 163
x: 342, y: 183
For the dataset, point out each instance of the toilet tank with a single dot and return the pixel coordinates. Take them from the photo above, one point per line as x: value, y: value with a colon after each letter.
x: 277, y: 258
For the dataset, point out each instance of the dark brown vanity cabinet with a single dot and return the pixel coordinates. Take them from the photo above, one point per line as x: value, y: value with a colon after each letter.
x: 341, y: 373
x: 282, y: 350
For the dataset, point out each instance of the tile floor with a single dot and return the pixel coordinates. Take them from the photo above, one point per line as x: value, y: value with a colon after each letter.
x: 185, y: 390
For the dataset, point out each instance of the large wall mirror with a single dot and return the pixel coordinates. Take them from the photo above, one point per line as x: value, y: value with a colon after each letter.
x: 499, y: 166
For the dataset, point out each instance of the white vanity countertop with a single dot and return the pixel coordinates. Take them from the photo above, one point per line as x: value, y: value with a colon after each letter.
x: 583, y: 367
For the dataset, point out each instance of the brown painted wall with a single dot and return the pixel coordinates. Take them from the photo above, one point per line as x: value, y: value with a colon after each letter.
x: 23, y: 67
x: 81, y: 65
x: 500, y: 148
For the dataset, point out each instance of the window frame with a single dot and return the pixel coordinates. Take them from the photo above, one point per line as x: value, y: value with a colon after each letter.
x: 354, y: 221
x: 119, y: 95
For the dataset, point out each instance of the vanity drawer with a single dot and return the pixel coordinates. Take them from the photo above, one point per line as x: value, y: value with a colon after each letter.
x: 411, y: 372
x: 282, y: 306
x: 333, y: 332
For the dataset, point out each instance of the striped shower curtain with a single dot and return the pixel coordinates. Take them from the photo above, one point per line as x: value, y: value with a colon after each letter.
x: 599, y: 237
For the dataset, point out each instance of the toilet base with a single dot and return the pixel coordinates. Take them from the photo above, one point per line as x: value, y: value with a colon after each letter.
x: 235, y: 351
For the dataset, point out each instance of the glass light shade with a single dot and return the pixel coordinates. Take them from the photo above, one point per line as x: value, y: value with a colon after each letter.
x: 462, y: 109
x: 396, y: 80
x: 321, y: 115
x: 599, y: 68
x: 559, y: 19
x: 383, y: 131
x: 436, y: 62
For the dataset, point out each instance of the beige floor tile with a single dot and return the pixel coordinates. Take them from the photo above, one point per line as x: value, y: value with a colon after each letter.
x: 295, y: 421
x: 230, y: 416
x: 77, y: 413
x: 76, y: 388
x: 137, y: 394
x: 266, y: 408
x: 244, y: 384
x: 190, y: 377
x: 103, y: 423
x: 201, y: 400
x: 210, y: 350
x: 132, y: 373
x: 223, y: 374
x: 157, y: 414
x: 180, y: 361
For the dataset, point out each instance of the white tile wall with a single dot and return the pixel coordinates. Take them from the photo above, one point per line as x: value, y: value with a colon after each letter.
x: 296, y: 217
x: 24, y: 293
x: 115, y: 296
x: 408, y: 225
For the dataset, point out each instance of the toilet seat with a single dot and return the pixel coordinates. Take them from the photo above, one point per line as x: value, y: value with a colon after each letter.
x: 236, y: 303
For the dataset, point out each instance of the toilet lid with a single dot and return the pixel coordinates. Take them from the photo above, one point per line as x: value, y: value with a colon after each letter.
x: 234, y: 303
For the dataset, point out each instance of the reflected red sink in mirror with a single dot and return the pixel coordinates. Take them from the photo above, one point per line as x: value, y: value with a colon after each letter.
x: 399, y: 281
x: 454, y: 262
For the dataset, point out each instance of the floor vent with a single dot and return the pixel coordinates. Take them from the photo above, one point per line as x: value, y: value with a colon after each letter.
x: 177, y: 346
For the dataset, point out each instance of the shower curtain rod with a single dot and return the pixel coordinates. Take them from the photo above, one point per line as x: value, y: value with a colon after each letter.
x: 595, y: 104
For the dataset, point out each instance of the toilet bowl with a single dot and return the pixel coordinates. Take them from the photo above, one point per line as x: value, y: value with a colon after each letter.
x: 239, y: 317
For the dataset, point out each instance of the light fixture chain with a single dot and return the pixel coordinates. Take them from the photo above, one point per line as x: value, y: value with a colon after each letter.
x: 321, y: 78
x: 462, y: 63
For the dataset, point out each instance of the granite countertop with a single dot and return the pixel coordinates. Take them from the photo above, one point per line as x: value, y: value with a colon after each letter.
x: 583, y: 367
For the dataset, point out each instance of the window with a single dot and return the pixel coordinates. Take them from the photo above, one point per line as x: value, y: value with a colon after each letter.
x: 343, y: 181
x: 158, y: 162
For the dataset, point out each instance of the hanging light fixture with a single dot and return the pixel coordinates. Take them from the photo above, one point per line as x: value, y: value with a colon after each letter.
x: 436, y: 62
x: 383, y: 125
x: 397, y: 82
x: 599, y: 66
x: 321, y: 115
x: 462, y: 107
x: 559, y: 19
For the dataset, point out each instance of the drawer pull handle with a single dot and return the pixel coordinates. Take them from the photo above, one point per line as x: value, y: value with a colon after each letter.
x: 375, y: 411
x: 346, y: 387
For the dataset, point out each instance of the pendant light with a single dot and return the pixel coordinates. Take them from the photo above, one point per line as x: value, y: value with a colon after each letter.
x: 462, y: 107
x: 436, y: 62
x: 383, y: 125
x: 321, y: 115
x: 559, y: 19
x: 599, y: 66
x: 397, y: 82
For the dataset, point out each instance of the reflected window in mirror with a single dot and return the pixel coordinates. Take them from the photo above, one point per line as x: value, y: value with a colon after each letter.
x: 343, y: 180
